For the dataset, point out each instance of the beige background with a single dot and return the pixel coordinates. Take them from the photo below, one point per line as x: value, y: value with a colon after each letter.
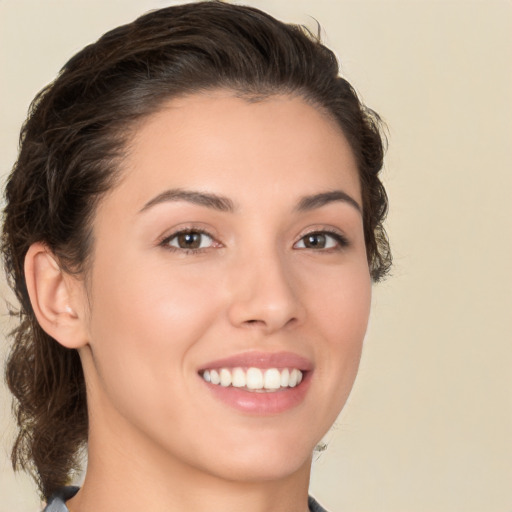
x: 429, y: 424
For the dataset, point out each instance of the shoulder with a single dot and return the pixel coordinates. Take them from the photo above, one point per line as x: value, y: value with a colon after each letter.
x: 57, y: 503
x: 314, y: 506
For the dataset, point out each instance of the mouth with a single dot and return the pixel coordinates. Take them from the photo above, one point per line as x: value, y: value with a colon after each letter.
x: 253, y: 379
x: 259, y: 383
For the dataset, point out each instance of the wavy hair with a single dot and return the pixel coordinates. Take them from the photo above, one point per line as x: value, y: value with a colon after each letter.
x: 73, y: 139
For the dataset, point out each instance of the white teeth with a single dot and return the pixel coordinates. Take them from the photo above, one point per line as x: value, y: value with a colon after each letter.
x: 225, y: 378
x: 239, y: 380
x: 214, y: 377
x: 272, y: 379
x: 294, y: 375
x: 254, y: 379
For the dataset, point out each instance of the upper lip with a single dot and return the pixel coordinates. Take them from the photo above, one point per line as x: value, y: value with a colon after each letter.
x: 262, y: 360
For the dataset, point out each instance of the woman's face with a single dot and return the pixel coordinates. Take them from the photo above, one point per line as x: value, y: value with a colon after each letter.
x: 231, y: 250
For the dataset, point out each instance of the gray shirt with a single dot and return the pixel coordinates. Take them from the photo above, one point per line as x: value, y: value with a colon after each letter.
x: 57, y: 502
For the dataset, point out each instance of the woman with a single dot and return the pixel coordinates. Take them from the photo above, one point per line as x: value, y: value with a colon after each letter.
x: 191, y: 228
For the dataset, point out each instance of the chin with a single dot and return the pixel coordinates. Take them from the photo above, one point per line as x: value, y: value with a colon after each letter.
x: 265, y: 460
x: 270, y: 468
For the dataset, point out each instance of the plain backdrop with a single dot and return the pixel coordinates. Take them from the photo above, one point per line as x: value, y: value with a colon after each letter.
x: 428, y: 427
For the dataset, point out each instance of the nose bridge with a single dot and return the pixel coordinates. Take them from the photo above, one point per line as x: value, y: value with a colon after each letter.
x: 263, y: 290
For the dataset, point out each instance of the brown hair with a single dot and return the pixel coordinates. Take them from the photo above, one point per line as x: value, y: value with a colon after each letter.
x: 70, y: 147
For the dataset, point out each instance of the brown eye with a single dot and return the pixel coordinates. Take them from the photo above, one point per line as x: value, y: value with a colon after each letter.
x: 315, y: 241
x: 189, y: 240
x: 321, y: 240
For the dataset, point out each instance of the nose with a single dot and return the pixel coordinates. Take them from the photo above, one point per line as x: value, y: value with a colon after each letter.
x: 265, y: 295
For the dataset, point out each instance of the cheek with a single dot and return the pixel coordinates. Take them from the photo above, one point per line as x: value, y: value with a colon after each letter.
x: 339, y: 300
x: 144, y: 325
x: 346, y: 313
x: 154, y: 298
x: 339, y: 312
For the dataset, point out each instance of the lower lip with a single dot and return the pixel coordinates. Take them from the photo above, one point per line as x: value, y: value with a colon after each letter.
x: 261, y: 403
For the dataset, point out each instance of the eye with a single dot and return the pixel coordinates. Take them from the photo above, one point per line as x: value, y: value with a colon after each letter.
x: 321, y: 240
x: 188, y: 240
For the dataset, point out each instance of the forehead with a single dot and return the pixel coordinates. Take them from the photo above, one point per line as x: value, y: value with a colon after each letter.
x: 280, y: 146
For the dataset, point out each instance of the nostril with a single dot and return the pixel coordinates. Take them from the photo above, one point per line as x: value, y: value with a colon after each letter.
x: 263, y: 323
x: 255, y: 322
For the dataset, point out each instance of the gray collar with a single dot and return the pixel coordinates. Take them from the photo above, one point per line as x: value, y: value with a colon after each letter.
x: 57, y: 502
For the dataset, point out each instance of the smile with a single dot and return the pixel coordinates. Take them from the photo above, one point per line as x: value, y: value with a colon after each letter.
x: 254, y: 379
x: 259, y: 383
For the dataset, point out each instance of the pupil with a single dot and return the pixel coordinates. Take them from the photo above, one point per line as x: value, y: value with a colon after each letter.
x: 315, y: 241
x: 189, y: 240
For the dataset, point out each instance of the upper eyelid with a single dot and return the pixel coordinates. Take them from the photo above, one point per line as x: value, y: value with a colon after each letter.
x: 170, y: 234
x: 331, y: 230
x: 188, y: 231
x: 321, y: 230
x: 333, y: 234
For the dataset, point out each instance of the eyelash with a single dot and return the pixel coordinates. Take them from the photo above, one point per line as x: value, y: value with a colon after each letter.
x: 165, y: 243
x: 341, y: 241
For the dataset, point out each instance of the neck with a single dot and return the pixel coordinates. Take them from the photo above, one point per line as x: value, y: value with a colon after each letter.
x: 127, y: 472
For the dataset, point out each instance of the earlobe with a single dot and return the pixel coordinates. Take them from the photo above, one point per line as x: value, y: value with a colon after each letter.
x: 54, y: 297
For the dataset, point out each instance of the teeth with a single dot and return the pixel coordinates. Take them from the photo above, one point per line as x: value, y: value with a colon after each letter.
x: 225, y: 378
x: 238, y: 380
x: 254, y: 379
x: 214, y: 377
x: 294, y: 376
x: 272, y: 379
x: 285, y: 378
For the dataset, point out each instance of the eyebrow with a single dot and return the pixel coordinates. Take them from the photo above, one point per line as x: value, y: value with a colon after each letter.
x: 222, y: 204
x: 318, y: 200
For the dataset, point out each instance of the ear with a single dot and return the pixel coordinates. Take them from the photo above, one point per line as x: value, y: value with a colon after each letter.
x: 57, y: 297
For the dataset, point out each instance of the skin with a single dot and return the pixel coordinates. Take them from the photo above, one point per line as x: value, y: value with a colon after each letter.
x: 150, y: 314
